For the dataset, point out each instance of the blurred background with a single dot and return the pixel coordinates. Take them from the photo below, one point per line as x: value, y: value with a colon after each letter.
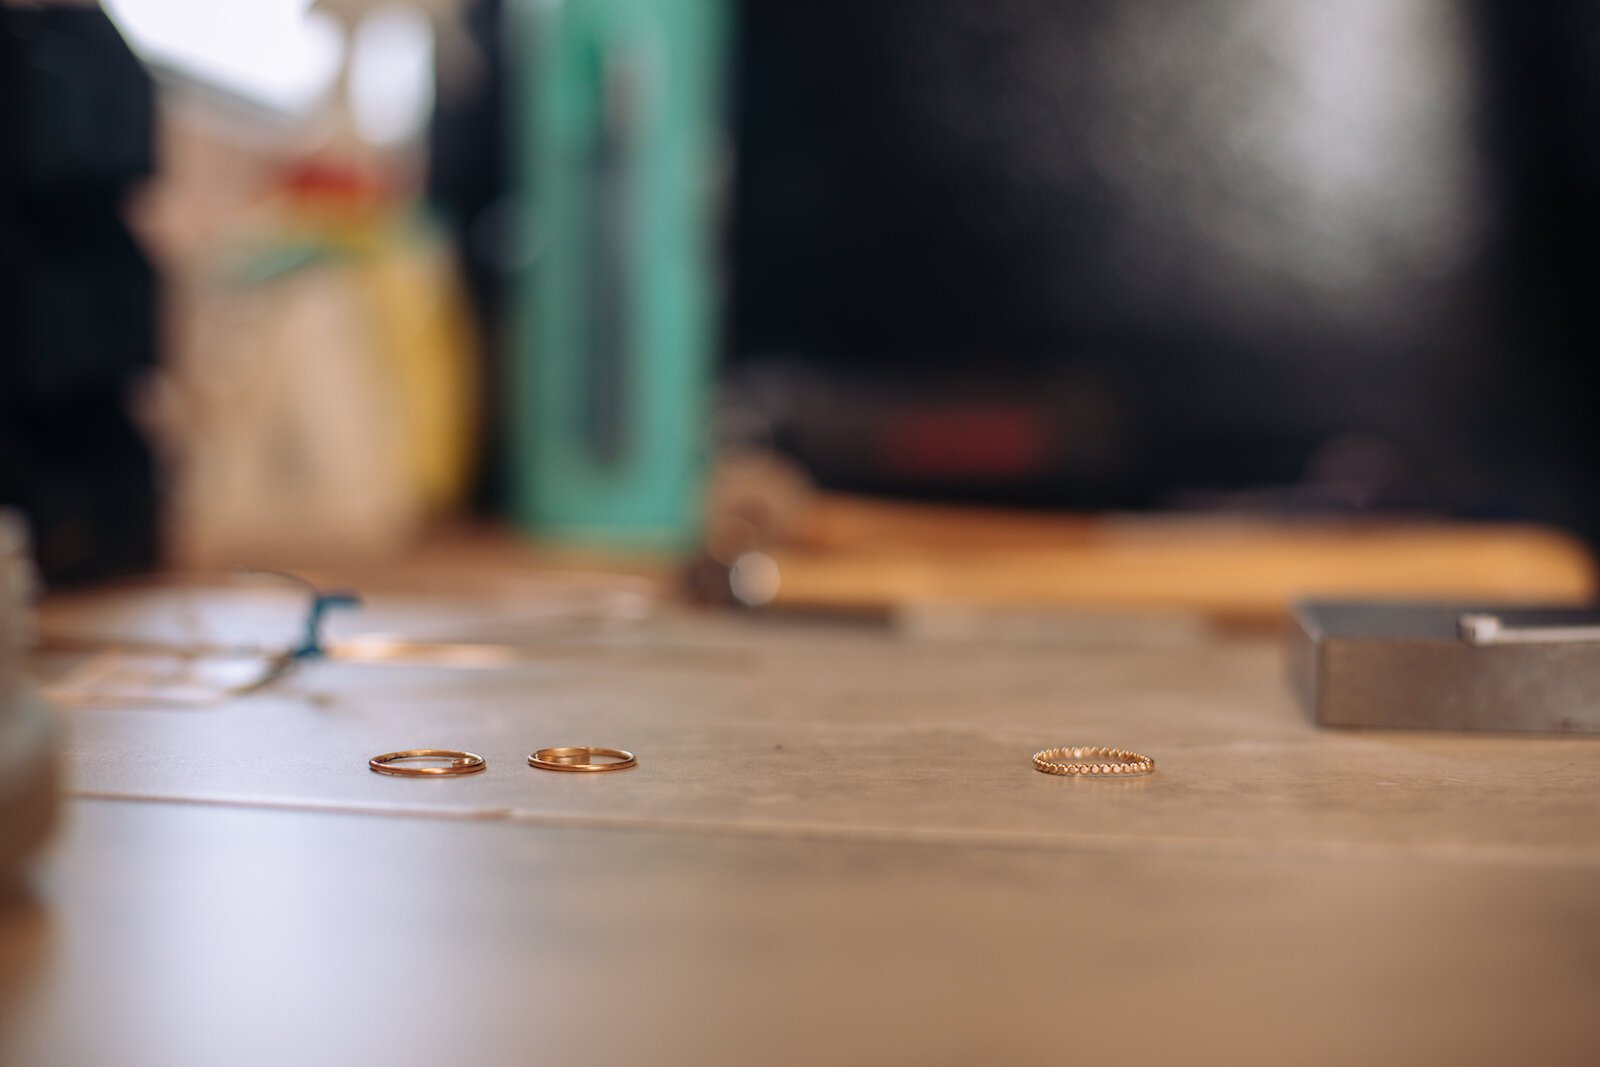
x: 806, y: 292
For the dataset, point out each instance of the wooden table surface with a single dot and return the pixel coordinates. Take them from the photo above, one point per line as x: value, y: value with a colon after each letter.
x: 834, y: 849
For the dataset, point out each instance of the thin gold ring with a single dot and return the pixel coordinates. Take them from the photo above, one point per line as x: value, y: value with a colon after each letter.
x: 460, y: 762
x: 1127, y: 763
x: 568, y: 759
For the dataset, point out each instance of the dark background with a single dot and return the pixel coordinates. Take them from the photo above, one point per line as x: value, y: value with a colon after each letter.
x: 1243, y: 253
x: 1263, y: 256
x: 77, y: 294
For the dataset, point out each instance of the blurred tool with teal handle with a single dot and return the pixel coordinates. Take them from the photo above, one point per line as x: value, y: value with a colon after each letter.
x: 618, y: 132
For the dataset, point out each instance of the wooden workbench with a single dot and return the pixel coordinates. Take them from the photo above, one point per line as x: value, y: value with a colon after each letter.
x: 834, y: 849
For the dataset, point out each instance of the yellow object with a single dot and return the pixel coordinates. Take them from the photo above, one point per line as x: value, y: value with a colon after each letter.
x: 424, y: 336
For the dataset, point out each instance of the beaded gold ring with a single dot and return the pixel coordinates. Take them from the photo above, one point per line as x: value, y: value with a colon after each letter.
x: 1126, y: 763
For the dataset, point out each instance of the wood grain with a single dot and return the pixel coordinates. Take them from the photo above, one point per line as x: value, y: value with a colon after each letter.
x: 834, y: 850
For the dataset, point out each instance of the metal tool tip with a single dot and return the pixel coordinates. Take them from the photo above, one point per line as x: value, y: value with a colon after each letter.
x: 1478, y: 628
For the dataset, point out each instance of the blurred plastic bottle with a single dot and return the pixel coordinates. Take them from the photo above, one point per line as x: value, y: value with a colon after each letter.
x: 321, y: 392
x: 617, y: 107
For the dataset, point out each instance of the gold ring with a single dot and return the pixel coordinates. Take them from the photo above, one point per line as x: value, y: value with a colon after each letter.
x: 460, y: 762
x: 1127, y: 763
x: 572, y: 759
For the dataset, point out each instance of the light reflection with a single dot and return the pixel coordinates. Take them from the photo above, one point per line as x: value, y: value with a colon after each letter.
x: 278, y: 54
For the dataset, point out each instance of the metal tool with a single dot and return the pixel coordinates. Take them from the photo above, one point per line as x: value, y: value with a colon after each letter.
x: 1448, y: 666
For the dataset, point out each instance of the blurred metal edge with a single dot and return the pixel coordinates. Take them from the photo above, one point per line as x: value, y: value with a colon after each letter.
x: 1400, y: 666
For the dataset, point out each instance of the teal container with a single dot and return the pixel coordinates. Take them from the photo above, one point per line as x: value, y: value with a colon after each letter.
x: 618, y: 149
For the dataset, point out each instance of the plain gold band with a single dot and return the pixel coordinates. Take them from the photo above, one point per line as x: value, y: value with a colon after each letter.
x: 460, y: 763
x: 562, y: 759
x: 1127, y: 763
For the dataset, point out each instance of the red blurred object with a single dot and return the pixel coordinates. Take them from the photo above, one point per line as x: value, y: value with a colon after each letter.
x: 1008, y: 441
